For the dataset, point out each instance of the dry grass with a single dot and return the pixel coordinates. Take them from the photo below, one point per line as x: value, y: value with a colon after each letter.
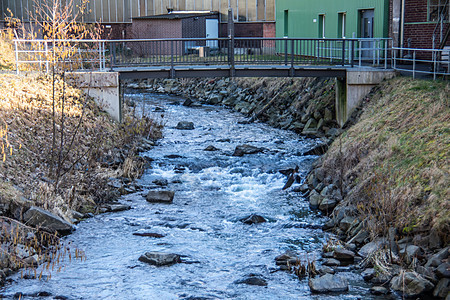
x: 396, y: 158
x: 7, y: 58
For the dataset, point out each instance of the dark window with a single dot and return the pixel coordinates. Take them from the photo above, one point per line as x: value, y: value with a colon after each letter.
x: 438, y: 9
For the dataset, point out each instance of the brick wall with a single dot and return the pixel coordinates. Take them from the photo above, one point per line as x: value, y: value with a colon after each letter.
x: 269, y: 30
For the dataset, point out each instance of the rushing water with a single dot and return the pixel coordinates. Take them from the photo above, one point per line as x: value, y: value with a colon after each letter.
x: 213, y: 191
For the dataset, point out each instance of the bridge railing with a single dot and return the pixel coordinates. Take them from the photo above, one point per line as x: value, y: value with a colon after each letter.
x: 414, y: 61
x: 248, y: 51
x: 289, y: 52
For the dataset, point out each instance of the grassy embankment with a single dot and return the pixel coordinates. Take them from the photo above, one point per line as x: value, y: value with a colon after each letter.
x: 395, y: 160
x: 91, y: 142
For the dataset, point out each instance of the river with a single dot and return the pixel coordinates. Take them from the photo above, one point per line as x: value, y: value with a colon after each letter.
x: 213, y: 191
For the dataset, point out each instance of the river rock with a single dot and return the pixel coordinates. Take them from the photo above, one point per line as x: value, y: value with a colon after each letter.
x: 379, y: 290
x: 342, y: 254
x: 314, y: 199
x: 161, y: 182
x: 38, y: 217
x: 160, y: 196
x: 149, y: 234
x: 327, y: 204
x: 443, y: 270
x: 331, y: 262
x: 411, y: 284
x: 253, y: 219
x: 289, y: 257
x: 117, y: 207
x: 368, y: 274
x: 436, y: 259
x: 328, y: 283
x: 160, y: 258
x: 185, y: 125
x: 252, y: 279
x: 188, y: 102
x: 246, y: 149
x: 210, y: 148
x: 317, y: 150
x: 370, y: 248
x: 442, y: 289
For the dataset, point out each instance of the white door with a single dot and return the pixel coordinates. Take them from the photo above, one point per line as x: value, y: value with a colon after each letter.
x: 212, y: 32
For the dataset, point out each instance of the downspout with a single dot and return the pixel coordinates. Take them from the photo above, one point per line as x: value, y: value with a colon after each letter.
x: 402, y: 26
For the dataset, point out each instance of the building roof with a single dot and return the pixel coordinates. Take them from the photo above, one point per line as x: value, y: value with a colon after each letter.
x: 179, y: 15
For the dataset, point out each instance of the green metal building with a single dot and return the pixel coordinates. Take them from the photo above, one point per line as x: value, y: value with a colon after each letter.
x: 332, y: 18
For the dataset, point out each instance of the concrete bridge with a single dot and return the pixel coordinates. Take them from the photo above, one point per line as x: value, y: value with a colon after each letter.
x: 105, y: 65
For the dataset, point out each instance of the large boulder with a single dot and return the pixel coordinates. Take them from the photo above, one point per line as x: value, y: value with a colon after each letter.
x: 370, y: 248
x: 38, y: 217
x: 160, y: 196
x: 328, y: 283
x: 410, y: 284
x: 246, y: 149
x: 160, y: 258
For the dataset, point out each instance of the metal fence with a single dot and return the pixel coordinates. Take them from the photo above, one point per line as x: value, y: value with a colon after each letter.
x: 421, y: 61
x: 42, y: 55
x: 113, y: 54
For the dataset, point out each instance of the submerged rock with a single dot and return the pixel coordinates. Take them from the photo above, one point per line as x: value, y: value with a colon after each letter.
x: 38, y: 217
x: 160, y: 258
x: 149, y: 234
x: 210, y: 148
x: 328, y: 283
x: 253, y: 219
x: 160, y: 196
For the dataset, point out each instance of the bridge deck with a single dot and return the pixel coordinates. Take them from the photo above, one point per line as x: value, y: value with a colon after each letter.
x: 227, y: 71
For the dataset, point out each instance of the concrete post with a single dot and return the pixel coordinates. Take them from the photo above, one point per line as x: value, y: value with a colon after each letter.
x: 341, y: 101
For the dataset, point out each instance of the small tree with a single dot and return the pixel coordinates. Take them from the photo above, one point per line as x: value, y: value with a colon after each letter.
x: 60, y: 23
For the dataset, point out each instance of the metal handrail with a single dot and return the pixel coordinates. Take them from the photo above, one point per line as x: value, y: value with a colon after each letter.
x: 289, y: 52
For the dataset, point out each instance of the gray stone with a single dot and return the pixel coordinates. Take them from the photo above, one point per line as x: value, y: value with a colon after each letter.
x: 342, y: 254
x: 253, y: 219
x: 442, y: 289
x: 436, y: 259
x: 253, y: 279
x: 161, y: 182
x: 160, y: 258
x: 314, y: 199
x: 331, y: 262
x: 411, y: 251
x: 411, y: 284
x: 346, y: 223
x: 160, y: 196
x: 325, y: 270
x: 379, y: 290
x: 38, y: 217
x: 443, y: 270
x: 210, y: 148
x: 185, y: 125
x: 241, y: 150
x: 371, y: 247
x: 327, y: 204
x: 328, y: 283
x: 117, y: 207
x: 368, y: 274
x: 328, y: 116
x: 381, y: 278
x: 360, y: 237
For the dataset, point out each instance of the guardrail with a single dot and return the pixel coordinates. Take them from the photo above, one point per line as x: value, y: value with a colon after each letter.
x: 112, y: 54
x: 421, y: 61
x: 74, y: 54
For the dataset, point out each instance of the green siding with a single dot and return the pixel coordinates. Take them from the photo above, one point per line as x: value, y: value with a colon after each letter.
x: 303, y: 13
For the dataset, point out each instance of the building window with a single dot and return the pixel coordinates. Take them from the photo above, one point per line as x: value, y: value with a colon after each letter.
x: 438, y: 9
x: 286, y: 23
x: 341, y: 25
x: 322, y: 26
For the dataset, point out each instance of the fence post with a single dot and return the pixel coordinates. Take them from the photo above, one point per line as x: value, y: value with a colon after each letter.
x: 112, y: 55
x: 394, y: 53
x: 172, y: 70
x: 285, y: 50
x: 47, y: 67
x: 292, y: 59
x: 435, y: 66
x: 414, y: 64
x: 343, y: 52
x: 17, y: 57
x: 231, y: 41
x: 360, y: 52
x: 386, y: 46
x: 352, y: 53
